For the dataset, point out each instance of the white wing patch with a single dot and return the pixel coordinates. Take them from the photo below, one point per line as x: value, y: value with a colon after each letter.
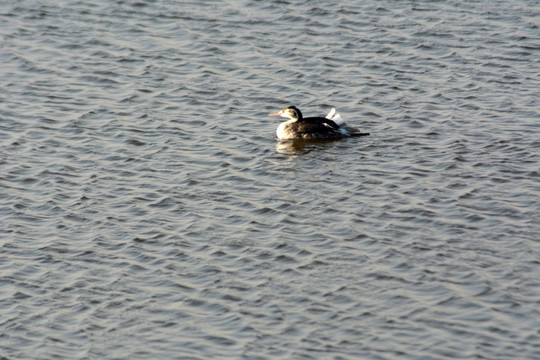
x: 335, y: 117
x: 331, y: 113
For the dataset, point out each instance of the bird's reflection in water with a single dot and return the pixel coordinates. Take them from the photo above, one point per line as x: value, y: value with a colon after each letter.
x: 300, y: 147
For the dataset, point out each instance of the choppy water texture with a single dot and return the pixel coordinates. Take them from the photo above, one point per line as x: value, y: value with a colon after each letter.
x: 147, y: 211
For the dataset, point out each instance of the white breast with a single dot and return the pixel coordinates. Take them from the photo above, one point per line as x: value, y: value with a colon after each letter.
x: 280, y: 132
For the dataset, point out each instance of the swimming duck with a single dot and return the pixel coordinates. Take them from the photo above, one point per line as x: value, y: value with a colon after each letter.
x: 312, y: 128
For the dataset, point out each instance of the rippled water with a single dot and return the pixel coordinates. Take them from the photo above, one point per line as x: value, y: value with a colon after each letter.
x: 147, y: 210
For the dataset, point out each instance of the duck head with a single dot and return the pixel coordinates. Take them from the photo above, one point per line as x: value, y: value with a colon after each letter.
x: 290, y: 112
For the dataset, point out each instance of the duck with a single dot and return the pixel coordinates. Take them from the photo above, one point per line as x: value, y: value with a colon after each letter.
x: 330, y: 127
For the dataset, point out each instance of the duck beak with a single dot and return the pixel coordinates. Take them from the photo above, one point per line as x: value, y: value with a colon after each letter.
x: 275, y: 114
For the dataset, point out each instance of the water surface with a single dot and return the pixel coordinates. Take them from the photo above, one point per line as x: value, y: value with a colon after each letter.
x: 147, y: 210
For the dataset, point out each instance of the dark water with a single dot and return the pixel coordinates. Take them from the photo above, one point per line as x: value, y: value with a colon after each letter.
x: 147, y: 211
